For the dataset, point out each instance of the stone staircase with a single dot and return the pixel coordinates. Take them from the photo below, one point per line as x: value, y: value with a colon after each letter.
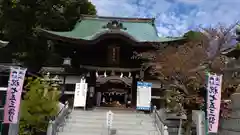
x: 125, y: 122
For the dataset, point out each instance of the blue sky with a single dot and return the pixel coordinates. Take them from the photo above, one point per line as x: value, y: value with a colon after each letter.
x: 174, y: 17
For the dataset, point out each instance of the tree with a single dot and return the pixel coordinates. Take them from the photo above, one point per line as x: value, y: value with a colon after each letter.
x: 39, y: 104
x: 20, y: 18
x: 182, y: 69
x: 238, y: 33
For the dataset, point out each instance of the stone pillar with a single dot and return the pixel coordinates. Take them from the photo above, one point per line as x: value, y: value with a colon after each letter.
x: 231, y: 126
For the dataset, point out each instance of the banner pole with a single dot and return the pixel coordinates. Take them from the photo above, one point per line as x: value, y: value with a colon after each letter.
x: 1, y: 128
x: 205, y: 104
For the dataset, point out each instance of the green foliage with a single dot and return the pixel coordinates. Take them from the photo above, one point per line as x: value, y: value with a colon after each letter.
x: 238, y: 46
x: 177, y: 101
x: 40, y: 103
x: 20, y: 18
x: 174, y: 101
x: 193, y: 35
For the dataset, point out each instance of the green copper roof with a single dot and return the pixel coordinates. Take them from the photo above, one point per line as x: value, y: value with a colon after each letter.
x: 91, y: 27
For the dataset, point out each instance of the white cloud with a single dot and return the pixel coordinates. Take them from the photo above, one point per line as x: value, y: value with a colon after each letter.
x: 173, y: 17
x: 191, y: 1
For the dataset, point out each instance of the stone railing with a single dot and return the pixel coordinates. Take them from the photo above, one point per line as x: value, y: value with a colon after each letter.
x: 161, y: 127
x: 58, y: 123
x: 231, y: 126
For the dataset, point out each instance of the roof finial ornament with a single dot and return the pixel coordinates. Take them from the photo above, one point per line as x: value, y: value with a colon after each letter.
x: 114, y: 24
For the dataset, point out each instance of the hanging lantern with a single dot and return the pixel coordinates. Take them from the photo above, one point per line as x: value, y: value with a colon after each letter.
x: 105, y: 74
x: 67, y: 61
x: 121, y: 76
x: 113, y: 73
x: 88, y: 74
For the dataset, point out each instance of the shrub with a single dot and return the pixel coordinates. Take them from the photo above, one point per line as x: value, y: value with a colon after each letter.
x: 40, y: 103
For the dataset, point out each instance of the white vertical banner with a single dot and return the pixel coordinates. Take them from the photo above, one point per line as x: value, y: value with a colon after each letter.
x: 80, y: 95
x: 14, y: 92
x: 213, y: 101
x: 144, y: 95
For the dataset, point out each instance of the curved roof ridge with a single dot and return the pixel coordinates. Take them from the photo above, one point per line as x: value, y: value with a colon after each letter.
x: 128, y: 19
x: 107, y: 31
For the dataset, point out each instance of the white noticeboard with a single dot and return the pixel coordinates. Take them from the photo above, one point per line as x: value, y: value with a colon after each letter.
x: 80, y: 95
x: 144, y: 95
x: 109, y: 121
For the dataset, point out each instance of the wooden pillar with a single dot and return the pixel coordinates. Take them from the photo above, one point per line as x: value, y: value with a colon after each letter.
x: 91, y: 80
x: 134, y: 90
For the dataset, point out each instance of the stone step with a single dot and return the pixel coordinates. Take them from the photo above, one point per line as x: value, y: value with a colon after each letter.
x: 77, y: 133
x: 92, y: 116
x: 130, y: 120
x: 98, y: 131
x: 118, y: 121
x: 105, y: 110
x: 115, y: 115
x: 104, y: 114
x: 115, y: 125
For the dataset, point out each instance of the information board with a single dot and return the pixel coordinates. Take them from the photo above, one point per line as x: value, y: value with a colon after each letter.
x: 144, y: 95
x: 80, y: 95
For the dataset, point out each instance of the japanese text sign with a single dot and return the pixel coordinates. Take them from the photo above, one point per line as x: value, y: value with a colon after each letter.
x: 14, y: 91
x: 213, y: 101
x: 109, y: 115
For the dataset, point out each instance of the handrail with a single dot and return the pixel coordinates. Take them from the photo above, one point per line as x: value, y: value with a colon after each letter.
x: 162, y: 128
x: 58, y: 121
x: 58, y: 114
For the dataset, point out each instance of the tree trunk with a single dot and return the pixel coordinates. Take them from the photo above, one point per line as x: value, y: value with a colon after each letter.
x: 188, y: 128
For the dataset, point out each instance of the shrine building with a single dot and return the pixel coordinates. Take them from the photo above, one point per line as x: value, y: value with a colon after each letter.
x: 101, y: 49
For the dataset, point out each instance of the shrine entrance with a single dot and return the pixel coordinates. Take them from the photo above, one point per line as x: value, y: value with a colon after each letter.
x: 105, y: 55
x: 114, y: 93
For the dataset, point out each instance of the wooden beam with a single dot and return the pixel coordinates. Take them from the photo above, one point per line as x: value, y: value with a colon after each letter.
x: 95, y: 68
